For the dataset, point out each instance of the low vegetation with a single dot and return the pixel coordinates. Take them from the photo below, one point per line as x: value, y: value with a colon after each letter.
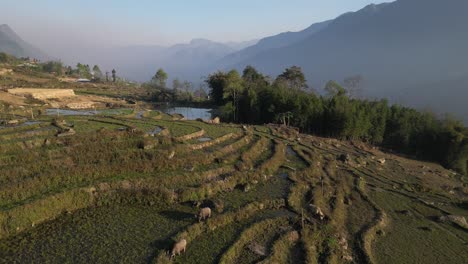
x: 256, y: 181
x: 125, y: 184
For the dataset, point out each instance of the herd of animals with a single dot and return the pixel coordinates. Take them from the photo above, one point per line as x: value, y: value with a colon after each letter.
x: 205, y: 213
x: 181, y: 245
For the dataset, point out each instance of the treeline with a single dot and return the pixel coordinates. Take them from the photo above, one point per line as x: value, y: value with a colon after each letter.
x: 58, y: 68
x: 256, y: 99
x: 80, y: 71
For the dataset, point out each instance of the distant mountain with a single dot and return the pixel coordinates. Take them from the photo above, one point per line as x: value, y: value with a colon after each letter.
x: 188, y: 61
x: 12, y: 44
x: 241, y: 45
x: 183, y: 61
x: 400, y: 48
x: 273, y: 42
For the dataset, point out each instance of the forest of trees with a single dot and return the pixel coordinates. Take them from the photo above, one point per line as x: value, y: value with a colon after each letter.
x: 256, y: 99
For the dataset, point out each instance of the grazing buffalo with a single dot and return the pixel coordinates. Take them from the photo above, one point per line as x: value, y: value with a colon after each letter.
x: 204, y: 214
x: 317, y: 211
x: 179, y: 247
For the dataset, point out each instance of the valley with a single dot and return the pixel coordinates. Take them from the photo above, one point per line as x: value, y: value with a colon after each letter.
x: 238, y: 132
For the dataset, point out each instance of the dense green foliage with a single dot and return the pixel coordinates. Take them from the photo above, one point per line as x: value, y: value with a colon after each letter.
x: 285, y: 100
x: 4, y: 57
x: 160, y: 78
x: 83, y: 71
x: 98, y: 76
x: 53, y: 67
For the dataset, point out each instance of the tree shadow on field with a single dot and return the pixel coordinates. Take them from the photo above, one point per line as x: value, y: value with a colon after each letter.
x: 177, y: 215
x: 157, y: 246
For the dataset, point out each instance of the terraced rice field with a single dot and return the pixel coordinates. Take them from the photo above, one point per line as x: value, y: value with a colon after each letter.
x: 121, y: 191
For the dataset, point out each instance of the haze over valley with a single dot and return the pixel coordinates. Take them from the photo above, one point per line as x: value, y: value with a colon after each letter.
x: 412, y: 60
x: 210, y: 131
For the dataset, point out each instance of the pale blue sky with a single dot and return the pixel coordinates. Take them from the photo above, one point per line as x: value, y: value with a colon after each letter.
x: 125, y: 22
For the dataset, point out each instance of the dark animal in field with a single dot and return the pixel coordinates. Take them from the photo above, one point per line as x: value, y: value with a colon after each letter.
x: 317, y: 211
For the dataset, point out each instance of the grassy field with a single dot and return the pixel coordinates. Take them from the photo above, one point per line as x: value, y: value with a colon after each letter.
x: 113, y: 193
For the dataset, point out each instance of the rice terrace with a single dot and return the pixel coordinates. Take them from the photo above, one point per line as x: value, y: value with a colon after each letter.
x: 123, y: 141
x: 112, y: 193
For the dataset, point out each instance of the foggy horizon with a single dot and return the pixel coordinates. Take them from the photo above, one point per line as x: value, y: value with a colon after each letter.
x: 55, y: 27
x: 247, y: 131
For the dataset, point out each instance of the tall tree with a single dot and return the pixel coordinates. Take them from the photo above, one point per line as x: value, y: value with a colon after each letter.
x: 353, y: 85
x: 217, y: 83
x: 233, y: 91
x: 160, y: 78
x: 114, y: 75
x: 97, y: 73
x: 334, y: 89
x: 293, y: 78
x: 83, y: 70
x: 252, y: 77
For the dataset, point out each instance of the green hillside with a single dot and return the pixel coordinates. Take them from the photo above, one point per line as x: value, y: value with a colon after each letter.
x: 112, y: 193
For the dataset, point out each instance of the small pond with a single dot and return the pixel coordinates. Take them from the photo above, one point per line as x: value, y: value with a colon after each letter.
x: 85, y: 112
x: 27, y: 123
x: 190, y: 113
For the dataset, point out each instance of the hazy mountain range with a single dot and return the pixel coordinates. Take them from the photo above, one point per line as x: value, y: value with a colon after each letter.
x: 411, y: 51
x: 188, y: 61
x: 12, y: 44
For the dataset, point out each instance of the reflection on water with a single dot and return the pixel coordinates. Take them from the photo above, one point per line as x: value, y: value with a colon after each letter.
x: 27, y: 123
x: 85, y: 112
x: 67, y: 112
x: 189, y: 113
x: 205, y: 139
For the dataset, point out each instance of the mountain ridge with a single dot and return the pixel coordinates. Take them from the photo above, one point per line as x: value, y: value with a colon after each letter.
x: 393, y: 55
x: 14, y: 45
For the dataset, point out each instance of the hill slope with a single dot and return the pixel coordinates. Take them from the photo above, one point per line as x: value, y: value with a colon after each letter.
x: 396, y: 47
x: 12, y: 44
x: 273, y: 42
x: 369, y: 206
